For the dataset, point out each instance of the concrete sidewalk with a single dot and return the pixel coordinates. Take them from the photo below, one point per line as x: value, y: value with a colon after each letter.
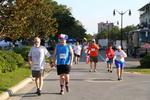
x: 85, y: 85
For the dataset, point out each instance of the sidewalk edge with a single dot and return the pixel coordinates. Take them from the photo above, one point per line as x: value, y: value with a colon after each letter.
x: 5, y: 95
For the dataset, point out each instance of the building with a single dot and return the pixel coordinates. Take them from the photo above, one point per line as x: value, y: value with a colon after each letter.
x: 104, y: 26
x: 145, y: 16
x: 139, y: 39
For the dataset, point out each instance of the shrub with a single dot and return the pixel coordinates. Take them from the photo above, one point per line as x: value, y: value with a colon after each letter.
x: 23, y: 51
x: 2, y: 65
x: 145, y: 61
x: 10, y: 64
x: 17, y: 57
x: 9, y: 61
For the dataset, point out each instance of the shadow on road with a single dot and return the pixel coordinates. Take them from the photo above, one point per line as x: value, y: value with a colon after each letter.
x: 32, y: 94
x: 79, y: 79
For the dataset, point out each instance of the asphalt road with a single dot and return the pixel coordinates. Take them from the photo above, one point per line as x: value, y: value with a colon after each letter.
x: 85, y: 85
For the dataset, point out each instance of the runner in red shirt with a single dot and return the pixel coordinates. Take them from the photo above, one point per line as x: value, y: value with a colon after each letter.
x: 93, y: 52
x: 109, y: 57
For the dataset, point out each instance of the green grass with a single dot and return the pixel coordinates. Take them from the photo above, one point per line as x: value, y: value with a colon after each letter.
x: 139, y: 70
x: 10, y: 79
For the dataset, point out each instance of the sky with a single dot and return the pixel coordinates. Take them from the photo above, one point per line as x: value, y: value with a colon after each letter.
x: 91, y: 12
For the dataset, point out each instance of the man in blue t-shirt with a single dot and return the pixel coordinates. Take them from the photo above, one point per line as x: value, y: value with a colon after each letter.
x: 63, y: 55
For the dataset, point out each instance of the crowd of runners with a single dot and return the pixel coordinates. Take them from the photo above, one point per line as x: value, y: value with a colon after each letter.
x: 65, y: 55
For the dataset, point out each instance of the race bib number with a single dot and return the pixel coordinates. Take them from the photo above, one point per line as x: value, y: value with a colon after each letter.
x: 62, y: 56
x: 93, y: 49
x: 35, y: 63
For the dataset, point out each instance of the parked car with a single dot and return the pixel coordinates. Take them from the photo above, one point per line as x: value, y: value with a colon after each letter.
x: 5, y: 44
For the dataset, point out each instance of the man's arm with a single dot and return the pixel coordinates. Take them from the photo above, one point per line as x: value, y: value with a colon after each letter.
x: 97, y: 46
x: 72, y: 56
x: 106, y: 53
x: 30, y: 61
x: 30, y: 57
x: 124, y: 54
x: 48, y: 55
x: 53, y: 59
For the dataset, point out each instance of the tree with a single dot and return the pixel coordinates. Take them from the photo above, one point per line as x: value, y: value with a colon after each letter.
x: 5, y: 6
x: 77, y: 31
x: 88, y: 37
x: 127, y: 29
x: 29, y: 18
x: 115, y: 33
x: 67, y: 24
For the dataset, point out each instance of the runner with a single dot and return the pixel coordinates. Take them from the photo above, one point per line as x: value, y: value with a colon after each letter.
x: 77, y: 53
x: 63, y: 55
x: 85, y: 55
x: 93, y: 51
x: 109, y: 57
x: 120, y: 61
x: 36, y: 59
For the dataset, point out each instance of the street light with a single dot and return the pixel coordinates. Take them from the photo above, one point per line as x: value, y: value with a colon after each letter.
x: 121, y: 13
x: 107, y: 31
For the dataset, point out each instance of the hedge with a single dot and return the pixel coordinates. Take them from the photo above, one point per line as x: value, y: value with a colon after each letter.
x: 23, y: 51
x: 145, y: 61
x: 9, y: 61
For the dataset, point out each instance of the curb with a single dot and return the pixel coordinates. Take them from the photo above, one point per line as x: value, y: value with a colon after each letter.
x: 5, y: 95
x: 137, y: 73
x: 12, y: 90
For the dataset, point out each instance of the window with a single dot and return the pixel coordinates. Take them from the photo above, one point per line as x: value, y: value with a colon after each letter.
x: 143, y: 37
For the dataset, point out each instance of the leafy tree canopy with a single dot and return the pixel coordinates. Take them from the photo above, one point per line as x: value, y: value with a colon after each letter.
x: 29, y: 18
x: 67, y: 24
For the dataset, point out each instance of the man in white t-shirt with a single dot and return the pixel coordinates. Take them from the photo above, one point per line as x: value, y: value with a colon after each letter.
x: 77, y: 52
x: 36, y: 59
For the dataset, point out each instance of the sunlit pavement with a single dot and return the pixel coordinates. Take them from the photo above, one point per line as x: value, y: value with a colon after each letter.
x: 85, y: 85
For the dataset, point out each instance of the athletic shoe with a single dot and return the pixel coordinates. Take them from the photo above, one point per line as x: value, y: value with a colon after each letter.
x: 61, y: 92
x: 67, y: 88
x: 121, y: 78
x: 38, y: 92
x: 95, y: 70
x: 90, y: 70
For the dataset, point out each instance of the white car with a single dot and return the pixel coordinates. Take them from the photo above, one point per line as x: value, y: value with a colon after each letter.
x: 4, y: 44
